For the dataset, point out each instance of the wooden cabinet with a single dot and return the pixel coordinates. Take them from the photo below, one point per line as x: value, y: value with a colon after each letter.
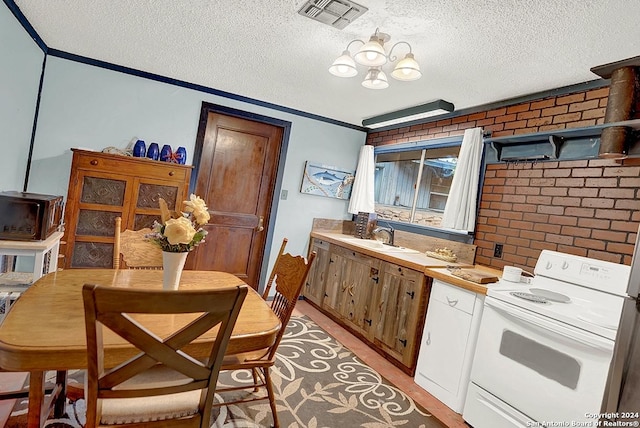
x: 350, y: 281
x: 104, y: 186
x: 448, y: 343
x: 314, y: 287
x: 398, y: 306
x: 381, y: 302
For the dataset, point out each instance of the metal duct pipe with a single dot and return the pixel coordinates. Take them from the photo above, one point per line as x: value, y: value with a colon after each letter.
x: 619, y: 108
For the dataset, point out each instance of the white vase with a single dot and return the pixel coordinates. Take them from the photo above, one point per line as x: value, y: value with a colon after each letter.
x: 172, y: 265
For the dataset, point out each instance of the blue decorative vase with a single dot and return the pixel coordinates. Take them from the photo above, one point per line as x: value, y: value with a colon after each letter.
x: 140, y: 149
x: 165, y: 153
x: 153, y: 152
x: 181, y: 155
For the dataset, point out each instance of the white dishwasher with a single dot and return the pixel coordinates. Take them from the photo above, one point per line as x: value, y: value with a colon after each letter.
x: 448, y: 343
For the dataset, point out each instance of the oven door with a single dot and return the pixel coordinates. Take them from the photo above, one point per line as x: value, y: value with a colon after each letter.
x: 547, y: 370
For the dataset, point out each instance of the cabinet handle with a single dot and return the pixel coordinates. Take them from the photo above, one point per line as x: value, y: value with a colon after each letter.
x: 428, y: 338
x: 94, y: 162
x: 171, y: 173
x: 404, y: 342
x: 368, y: 322
x: 260, y: 227
x: 412, y: 294
x: 452, y: 302
x: 351, y: 290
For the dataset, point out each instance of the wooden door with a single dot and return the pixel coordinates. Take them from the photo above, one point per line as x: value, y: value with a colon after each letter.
x: 236, y: 161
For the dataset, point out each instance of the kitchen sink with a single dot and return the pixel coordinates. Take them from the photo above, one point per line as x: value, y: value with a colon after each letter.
x: 379, y: 246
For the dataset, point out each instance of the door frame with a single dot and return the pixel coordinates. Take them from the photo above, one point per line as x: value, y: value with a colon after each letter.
x: 207, y: 108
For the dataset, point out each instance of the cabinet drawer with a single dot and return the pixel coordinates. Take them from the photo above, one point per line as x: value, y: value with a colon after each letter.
x: 453, y: 296
x: 408, y: 274
x: 320, y: 244
x: 124, y: 165
x: 353, y: 255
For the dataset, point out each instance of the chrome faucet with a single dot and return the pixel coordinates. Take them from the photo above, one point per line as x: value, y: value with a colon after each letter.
x: 388, y: 231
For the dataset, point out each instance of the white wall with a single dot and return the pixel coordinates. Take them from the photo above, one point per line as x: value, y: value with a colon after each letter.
x: 20, y: 70
x: 90, y: 107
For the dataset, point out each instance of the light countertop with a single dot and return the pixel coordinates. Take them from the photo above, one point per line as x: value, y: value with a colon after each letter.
x: 408, y: 258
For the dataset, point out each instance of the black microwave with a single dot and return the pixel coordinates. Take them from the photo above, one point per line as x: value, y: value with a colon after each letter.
x: 29, y: 216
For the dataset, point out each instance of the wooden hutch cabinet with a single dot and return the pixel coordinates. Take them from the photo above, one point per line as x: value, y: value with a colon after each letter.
x: 104, y: 186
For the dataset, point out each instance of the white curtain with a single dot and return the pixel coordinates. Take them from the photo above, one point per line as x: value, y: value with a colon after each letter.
x: 460, y: 210
x: 362, y: 193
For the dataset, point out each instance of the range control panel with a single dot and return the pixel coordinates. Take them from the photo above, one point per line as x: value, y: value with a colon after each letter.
x: 592, y: 273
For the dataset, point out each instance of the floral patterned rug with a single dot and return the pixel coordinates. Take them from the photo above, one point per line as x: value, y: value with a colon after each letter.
x: 318, y: 383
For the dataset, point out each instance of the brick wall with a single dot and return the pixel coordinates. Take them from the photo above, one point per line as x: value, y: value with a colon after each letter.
x: 587, y: 207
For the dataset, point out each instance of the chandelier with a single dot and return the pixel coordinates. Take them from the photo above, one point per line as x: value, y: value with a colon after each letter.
x: 372, y: 55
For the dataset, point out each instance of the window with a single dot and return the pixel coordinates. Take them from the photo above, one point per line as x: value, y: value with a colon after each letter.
x: 412, y: 184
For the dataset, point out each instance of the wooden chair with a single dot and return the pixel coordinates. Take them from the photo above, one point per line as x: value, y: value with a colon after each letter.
x: 162, y: 386
x: 134, y: 249
x: 131, y: 250
x: 289, y: 274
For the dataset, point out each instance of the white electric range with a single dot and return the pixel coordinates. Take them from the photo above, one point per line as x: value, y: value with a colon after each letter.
x: 544, y: 348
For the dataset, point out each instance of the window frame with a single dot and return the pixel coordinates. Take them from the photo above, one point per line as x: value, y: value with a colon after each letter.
x: 436, y: 143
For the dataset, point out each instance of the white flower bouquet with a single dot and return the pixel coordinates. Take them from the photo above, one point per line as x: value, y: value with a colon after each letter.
x: 183, y: 232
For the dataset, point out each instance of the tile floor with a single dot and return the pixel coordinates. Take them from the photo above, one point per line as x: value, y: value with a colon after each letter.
x: 390, y: 372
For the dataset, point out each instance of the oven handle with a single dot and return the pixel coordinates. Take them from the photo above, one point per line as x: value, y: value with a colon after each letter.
x: 532, y: 320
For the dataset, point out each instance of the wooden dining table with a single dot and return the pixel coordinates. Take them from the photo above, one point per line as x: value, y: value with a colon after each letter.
x: 45, y: 329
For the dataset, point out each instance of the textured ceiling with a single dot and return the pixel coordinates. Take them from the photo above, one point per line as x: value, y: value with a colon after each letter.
x: 471, y: 52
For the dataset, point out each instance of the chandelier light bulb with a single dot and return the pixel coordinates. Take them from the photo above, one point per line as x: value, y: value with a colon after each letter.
x: 372, y: 53
x: 344, y: 66
x: 375, y: 79
x: 407, y: 69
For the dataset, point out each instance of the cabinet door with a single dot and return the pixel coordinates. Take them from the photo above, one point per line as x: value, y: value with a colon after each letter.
x: 335, y: 286
x: 350, y: 280
x: 315, y: 285
x: 444, y: 342
x: 398, y: 304
x: 360, y: 275
x: 146, y: 195
x: 98, y: 199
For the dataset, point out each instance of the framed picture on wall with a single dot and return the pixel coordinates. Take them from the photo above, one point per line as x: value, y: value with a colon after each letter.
x: 325, y: 180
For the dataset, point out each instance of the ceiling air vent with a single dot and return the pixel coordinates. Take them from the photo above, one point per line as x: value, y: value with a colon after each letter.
x: 337, y: 13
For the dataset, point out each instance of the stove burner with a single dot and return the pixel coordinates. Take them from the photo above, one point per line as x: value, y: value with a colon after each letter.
x: 529, y: 296
x: 551, y: 295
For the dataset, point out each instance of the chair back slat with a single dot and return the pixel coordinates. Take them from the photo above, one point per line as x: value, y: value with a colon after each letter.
x: 267, y: 288
x: 290, y: 273
x: 126, y: 312
x: 131, y: 249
